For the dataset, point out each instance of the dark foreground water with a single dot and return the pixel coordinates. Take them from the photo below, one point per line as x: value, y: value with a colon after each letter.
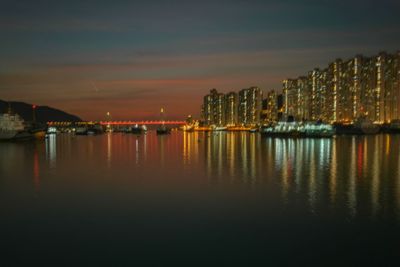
x: 194, y: 199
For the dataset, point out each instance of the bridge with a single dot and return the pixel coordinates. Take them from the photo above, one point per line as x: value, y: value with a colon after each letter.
x: 142, y: 122
x: 115, y: 123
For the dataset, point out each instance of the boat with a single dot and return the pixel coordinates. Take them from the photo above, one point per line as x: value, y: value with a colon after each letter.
x: 238, y: 128
x: 218, y: 128
x: 51, y: 130
x: 202, y: 129
x: 393, y: 127
x: 94, y: 129
x: 38, y: 134
x: 361, y: 126
x: 281, y: 129
x: 366, y: 126
x: 163, y: 130
x: 253, y: 130
x: 188, y: 128
x: 317, y: 129
x: 38, y: 131
x: 12, y: 127
x: 291, y: 128
x: 81, y: 130
x: 138, y: 129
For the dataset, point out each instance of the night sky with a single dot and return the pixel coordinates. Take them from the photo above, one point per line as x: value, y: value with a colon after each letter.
x: 131, y: 58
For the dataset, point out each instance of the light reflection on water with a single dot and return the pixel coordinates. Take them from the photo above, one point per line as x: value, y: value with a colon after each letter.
x: 358, y: 174
x: 349, y: 172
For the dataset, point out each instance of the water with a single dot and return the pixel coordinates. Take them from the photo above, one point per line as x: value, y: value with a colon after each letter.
x: 200, y: 199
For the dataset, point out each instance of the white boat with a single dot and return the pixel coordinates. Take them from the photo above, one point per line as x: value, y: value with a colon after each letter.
x: 12, y: 127
x: 218, y: 128
x: 136, y: 129
x: 299, y: 129
x: 83, y: 130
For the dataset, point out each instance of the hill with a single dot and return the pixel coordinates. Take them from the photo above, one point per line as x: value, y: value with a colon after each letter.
x: 43, y: 113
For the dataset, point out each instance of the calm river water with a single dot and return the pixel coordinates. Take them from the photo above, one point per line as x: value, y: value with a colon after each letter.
x: 200, y: 199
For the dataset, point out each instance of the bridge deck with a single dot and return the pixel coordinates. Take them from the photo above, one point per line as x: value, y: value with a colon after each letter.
x: 119, y: 123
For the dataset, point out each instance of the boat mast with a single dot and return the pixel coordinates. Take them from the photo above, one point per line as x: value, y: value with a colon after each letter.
x: 162, y: 117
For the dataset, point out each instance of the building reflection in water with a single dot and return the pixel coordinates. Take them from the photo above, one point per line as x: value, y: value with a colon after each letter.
x: 191, y: 143
x: 376, y: 168
x: 298, y: 165
x: 357, y: 175
x: 253, y: 160
x: 137, y: 151
x: 109, y: 149
x: 51, y: 150
x: 398, y: 185
x: 145, y: 147
x: 231, y: 152
x: 244, y: 159
x: 161, y: 141
x: 352, y: 191
x: 333, y: 174
x: 36, y: 171
x: 284, y: 167
x: 186, y: 148
x: 312, y: 191
x: 346, y: 173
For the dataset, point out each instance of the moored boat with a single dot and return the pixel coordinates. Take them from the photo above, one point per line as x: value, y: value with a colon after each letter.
x: 393, y: 127
x: 317, y: 129
x: 298, y: 129
x: 361, y: 126
x: 366, y: 126
x: 219, y: 128
x: 38, y: 131
x: 163, y: 130
x: 138, y: 129
x: 12, y: 128
x: 89, y: 130
x: 81, y: 130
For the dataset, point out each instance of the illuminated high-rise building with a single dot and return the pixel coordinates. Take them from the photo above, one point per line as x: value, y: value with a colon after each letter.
x: 368, y: 88
x: 231, y: 108
x: 347, y: 90
x: 270, y: 107
x: 297, y: 98
x: 388, y: 70
x: 317, y: 93
x: 214, y: 108
x: 250, y: 106
x: 290, y: 92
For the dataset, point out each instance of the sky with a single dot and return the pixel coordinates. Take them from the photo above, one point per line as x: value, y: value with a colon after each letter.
x: 131, y: 58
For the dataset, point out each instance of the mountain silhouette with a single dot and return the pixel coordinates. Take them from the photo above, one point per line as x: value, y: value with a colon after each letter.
x: 43, y: 113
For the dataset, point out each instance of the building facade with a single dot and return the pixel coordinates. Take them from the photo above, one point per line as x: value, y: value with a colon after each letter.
x: 270, y: 108
x: 214, y: 108
x: 347, y: 90
x: 250, y: 106
x: 231, y: 108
